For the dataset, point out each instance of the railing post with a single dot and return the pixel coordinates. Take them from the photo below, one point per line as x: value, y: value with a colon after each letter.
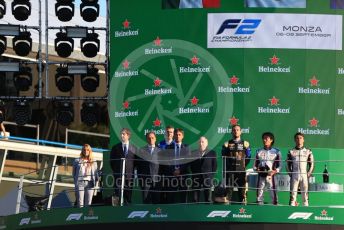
x: 52, y: 187
x: 20, y: 191
x: 122, y: 182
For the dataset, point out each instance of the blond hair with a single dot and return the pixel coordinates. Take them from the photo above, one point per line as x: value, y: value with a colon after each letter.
x: 83, y: 152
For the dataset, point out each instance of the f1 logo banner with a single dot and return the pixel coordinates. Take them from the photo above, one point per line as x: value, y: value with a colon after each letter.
x: 290, y: 31
x: 139, y: 214
x: 300, y: 215
x: 218, y: 214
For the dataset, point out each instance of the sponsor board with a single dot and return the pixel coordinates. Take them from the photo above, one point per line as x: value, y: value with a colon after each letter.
x: 324, y: 216
x: 267, y: 30
x: 157, y: 48
x: 158, y: 214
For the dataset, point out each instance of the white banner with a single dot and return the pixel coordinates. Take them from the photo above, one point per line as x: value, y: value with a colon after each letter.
x: 291, y: 31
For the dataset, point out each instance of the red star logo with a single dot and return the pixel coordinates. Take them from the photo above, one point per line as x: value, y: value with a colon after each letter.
x: 324, y: 212
x: 313, y: 122
x: 126, y: 24
x: 158, y: 211
x: 314, y: 81
x: 126, y: 64
x: 274, y: 60
x: 157, y: 122
x: 242, y: 210
x: 126, y: 104
x: 233, y: 121
x: 234, y: 80
x: 194, y: 60
x: 274, y: 101
x: 157, y: 82
x: 194, y: 101
x: 157, y: 41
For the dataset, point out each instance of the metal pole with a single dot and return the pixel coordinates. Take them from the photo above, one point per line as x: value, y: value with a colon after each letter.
x: 46, y: 51
x: 66, y: 137
x: 40, y: 85
x: 20, y: 191
x: 123, y: 178
x: 52, y: 187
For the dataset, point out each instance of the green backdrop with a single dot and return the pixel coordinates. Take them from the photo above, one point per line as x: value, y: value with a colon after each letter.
x: 162, y: 73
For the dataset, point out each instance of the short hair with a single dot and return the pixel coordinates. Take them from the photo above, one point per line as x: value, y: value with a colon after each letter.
x: 169, y: 127
x: 270, y: 135
x: 150, y: 132
x: 179, y: 130
x: 127, y: 131
x: 299, y: 134
x: 233, y: 126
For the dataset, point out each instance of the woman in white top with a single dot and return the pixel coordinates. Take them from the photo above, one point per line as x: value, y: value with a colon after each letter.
x: 85, y: 176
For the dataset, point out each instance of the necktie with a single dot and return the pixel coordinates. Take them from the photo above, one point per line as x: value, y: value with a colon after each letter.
x: 177, y: 155
x: 125, y: 149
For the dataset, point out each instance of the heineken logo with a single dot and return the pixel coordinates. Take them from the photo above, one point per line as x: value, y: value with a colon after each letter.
x: 234, y: 86
x: 195, y: 67
x: 158, y: 91
x: 126, y: 31
x: 194, y: 107
x: 274, y: 66
x: 158, y: 49
x: 242, y: 214
x: 90, y: 215
x: 126, y: 72
x: 314, y: 128
x: 125, y: 111
x: 324, y: 216
x: 273, y: 107
x: 314, y: 87
x: 158, y: 214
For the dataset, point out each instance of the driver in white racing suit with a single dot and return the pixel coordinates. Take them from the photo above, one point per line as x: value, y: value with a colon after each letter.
x: 300, y: 165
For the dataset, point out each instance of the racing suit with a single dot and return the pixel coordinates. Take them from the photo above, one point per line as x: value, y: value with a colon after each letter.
x: 300, y: 165
x: 236, y: 156
x: 265, y: 161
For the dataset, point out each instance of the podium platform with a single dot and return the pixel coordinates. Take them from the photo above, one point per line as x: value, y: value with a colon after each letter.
x: 181, y: 216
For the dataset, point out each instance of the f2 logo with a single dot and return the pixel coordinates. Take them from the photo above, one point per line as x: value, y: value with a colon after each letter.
x: 246, y: 26
x: 300, y: 215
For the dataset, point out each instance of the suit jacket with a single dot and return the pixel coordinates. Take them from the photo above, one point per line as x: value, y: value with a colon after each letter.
x: 116, y: 163
x: 206, y: 164
x: 147, y: 163
x: 169, y: 162
x: 77, y: 171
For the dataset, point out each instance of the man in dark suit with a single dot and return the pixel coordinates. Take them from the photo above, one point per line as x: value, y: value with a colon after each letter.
x: 203, y: 169
x: 148, y: 170
x: 123, y: 151
x: 174, y: 173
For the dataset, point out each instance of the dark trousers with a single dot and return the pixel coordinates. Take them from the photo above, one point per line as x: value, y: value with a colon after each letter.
x: 238, y: 180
